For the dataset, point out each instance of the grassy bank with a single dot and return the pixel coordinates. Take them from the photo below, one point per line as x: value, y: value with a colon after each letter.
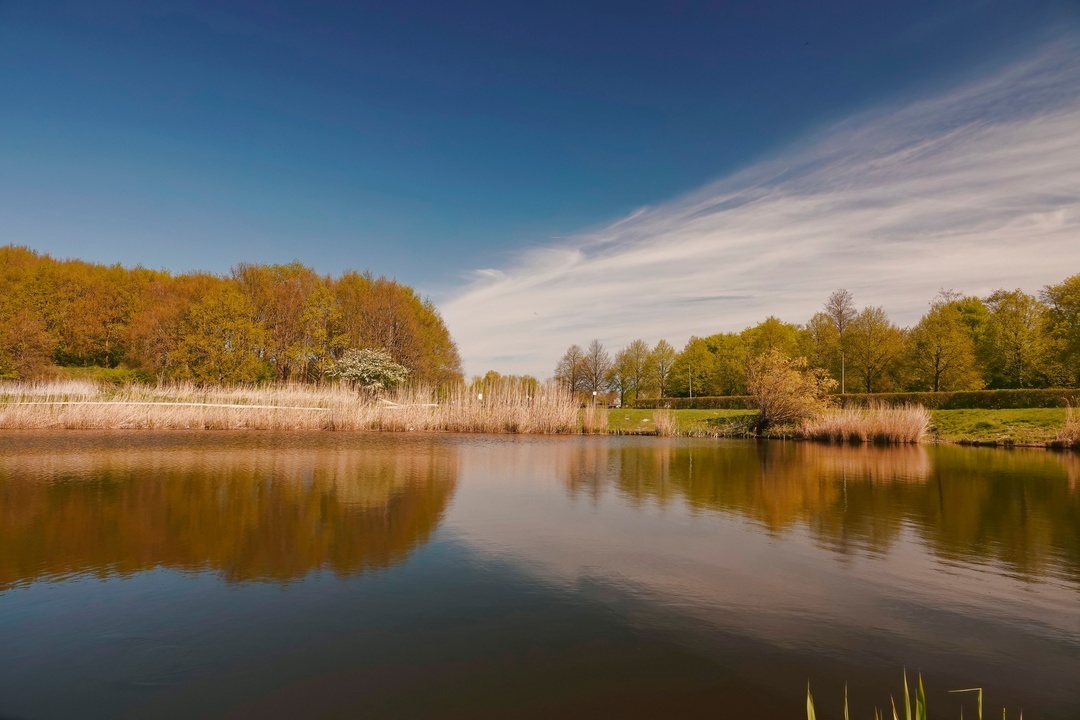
x: 1030, y: 426
x: 89, y: 405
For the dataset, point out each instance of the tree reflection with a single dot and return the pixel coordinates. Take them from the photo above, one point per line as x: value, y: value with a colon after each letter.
x: 249, y: 513
x: 1019, y: 508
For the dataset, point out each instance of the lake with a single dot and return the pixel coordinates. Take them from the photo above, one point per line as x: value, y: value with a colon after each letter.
x: 175, y: 574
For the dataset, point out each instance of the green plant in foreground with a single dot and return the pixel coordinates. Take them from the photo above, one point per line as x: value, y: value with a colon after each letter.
x: 914, y: 705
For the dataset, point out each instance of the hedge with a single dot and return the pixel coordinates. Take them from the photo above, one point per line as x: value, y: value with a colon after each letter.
x: 966, y: 400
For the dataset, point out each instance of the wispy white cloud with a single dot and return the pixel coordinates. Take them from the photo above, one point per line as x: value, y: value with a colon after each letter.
x: 975, y: 189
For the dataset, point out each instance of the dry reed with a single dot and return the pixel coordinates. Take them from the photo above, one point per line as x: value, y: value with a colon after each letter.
x: 877, y: 423
x: 504, y: 408
x: 594, y: 420
x: 665, y: 423
x: 1069, y: 435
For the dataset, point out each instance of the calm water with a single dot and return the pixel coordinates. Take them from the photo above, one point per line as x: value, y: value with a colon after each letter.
x: 300, y: 575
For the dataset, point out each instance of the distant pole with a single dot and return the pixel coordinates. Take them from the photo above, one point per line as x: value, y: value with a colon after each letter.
x: 594, y: 398
x: 843, y: 383
x: 690, y: 382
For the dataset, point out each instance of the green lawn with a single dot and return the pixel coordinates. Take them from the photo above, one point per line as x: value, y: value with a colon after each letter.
x: 1025, y: 426
x: 1028, y: 425
x: 693, y: 421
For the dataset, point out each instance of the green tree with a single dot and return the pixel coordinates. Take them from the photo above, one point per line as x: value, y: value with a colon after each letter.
x: 823, y: 343
x: 1017, y: 339
x: 1063, y: 325
x: 660, y: 361
x: 773, y: 333
x: 941, y: 352
x: 693, y: 370
x: 630, y: 374
x: 730, y: 360
x: 874, y: 346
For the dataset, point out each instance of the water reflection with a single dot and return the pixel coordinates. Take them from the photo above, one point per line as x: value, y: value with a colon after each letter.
x: 1021, y: 508
x: 264, y: 509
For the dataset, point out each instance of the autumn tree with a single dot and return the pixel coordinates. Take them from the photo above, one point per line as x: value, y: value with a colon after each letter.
x: 220, y: 340
x: 382, y: 313
x: 786, y: 389
x: 154, y: 332
x: 25, y: 345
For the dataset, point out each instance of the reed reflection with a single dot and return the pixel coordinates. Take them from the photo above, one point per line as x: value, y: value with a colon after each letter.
x: 1020, y: 509
x: 249, y: 513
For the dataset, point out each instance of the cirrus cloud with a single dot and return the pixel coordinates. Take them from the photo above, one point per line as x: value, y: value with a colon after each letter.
x: 974, y: 189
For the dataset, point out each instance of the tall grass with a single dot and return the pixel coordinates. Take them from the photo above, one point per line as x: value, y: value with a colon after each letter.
x: 1069, y: 435
x: 504, y: 408
x: 665, y: 423
x: 877, y: 423
x: 594, y: 420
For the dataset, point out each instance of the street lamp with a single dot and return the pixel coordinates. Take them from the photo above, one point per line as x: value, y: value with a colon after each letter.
x: 594, y: 398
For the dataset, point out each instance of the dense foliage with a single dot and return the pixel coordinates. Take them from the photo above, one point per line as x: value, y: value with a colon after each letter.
x: 260, y: 322
x: 1006, y: 340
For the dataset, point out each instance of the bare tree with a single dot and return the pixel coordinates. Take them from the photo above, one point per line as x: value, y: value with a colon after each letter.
x: 570, y: 370
x: 597, y: 364
x: 840, y: 308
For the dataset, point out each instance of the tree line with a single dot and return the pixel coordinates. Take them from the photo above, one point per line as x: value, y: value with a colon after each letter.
x: 257, y: 323
x: 1008, y: 339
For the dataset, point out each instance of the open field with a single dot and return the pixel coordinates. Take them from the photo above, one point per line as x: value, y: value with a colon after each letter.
x: 693, y: 422
x: 1029, y: 426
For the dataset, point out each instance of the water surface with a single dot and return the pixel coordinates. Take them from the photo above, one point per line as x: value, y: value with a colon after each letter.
x: 364, y: 575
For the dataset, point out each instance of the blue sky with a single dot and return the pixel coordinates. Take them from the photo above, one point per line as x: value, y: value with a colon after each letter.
x: 448, y: 144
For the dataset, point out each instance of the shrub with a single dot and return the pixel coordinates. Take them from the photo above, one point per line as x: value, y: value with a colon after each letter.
x: 372, y: 370
x: 785, y: 390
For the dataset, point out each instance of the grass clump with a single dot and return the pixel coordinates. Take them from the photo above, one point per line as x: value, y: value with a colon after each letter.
x: 665, y: 423
x: 876, y: 423
x: 914, y: 704
x: 1069, y: 435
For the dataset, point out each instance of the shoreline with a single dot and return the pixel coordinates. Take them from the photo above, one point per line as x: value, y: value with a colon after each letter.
x: 547, y: 410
